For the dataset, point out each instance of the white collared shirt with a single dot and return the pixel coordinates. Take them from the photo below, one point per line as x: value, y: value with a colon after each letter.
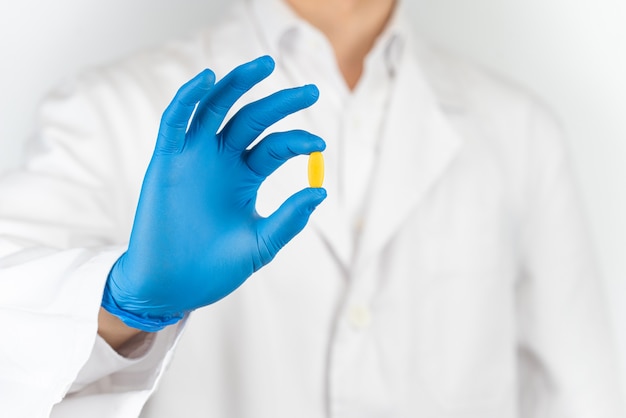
x: 351, y: 121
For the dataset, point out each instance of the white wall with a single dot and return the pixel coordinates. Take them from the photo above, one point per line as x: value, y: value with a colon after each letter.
x: 571, y: 52
x: 43, y: 42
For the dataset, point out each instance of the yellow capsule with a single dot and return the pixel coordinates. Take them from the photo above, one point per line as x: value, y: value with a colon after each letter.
x: 316, y: 169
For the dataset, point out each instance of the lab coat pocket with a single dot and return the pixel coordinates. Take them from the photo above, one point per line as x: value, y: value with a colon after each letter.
x: 468, y: 356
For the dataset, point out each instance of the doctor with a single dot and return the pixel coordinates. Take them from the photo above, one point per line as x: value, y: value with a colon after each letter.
x: 447, y: 274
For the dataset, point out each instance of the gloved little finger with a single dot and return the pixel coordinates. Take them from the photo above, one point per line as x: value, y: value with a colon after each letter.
x: 269, y: 154
x: 175, y: 119
x: 287, y: 221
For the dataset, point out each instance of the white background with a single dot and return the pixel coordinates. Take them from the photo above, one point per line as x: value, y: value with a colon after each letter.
x: 570, y: 52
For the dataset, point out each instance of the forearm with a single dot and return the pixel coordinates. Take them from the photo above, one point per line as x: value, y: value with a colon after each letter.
x: 115, y: 332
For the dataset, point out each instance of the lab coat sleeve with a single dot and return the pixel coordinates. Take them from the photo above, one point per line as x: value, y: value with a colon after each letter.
x: 112, y: 385
x: 65, y: 218
x: 566, y: 352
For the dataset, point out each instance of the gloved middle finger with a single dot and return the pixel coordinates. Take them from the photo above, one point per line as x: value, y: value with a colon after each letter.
x: 251, y: 120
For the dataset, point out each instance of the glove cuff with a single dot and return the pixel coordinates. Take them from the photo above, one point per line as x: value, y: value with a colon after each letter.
x: 142, y: 322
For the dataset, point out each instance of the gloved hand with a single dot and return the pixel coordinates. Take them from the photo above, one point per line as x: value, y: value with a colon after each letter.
x: 196, y: 235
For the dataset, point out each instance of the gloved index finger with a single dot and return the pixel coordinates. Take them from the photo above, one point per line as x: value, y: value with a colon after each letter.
x: 213, y: 109
x: 276, y: 148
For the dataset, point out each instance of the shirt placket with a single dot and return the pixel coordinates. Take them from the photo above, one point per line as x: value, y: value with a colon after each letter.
x: 357, y: 382
x: 351, y: 123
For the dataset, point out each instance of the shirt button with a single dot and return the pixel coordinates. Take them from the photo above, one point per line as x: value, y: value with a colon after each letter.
x: 314, y: 45
x: 359, y: 317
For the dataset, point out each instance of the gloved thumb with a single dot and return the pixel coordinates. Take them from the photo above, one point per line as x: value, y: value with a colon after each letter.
x: 287, y: 221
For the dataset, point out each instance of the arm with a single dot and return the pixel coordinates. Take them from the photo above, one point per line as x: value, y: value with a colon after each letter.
x: 115, y: 332
x: 61, y: 258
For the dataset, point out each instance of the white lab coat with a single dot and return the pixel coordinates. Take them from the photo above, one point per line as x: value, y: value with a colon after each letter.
x: 471, y: 292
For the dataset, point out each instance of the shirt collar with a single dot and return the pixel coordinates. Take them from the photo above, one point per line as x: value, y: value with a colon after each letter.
x: 278, y: 23
x: 276, y: 20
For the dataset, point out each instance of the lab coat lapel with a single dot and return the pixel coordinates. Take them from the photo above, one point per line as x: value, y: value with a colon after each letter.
x: 416, y: 146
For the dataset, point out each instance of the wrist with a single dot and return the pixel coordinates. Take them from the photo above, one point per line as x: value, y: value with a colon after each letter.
x: 144, y: 321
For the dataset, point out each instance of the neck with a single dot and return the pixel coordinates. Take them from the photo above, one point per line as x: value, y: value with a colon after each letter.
x: 351, y: 27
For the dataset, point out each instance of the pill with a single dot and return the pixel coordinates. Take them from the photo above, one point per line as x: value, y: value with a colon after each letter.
x: 316, y: 169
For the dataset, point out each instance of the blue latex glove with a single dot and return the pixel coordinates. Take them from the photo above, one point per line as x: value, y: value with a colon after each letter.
x: 196, y: 235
